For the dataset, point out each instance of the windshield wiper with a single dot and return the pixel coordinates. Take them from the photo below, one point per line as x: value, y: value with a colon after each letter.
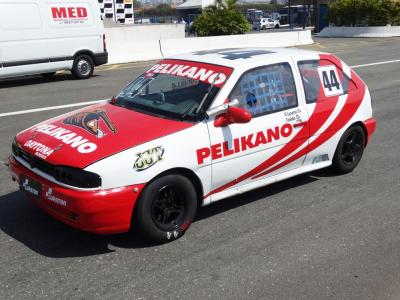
x: 207, y: 93
x: 186, y: 112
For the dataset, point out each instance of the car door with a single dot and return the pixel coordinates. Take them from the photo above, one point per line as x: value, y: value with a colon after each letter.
x: 244, y: 153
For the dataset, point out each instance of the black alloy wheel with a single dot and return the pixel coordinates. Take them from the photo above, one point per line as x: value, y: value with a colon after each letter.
x: 168, y: 208
x: 165, y: 209
x: 350, y: 150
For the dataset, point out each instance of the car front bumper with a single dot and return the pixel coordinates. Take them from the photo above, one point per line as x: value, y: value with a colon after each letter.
x: 98, y: 211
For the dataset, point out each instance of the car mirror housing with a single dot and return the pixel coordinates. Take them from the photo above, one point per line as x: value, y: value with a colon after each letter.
x: 223, y: 108
x: 234, y: 115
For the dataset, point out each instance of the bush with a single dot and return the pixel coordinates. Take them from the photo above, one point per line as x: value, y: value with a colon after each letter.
x: 364, y: 12
x: 222, y: 18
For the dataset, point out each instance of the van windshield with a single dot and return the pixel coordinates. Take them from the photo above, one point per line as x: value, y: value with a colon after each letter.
x: 174, y: 89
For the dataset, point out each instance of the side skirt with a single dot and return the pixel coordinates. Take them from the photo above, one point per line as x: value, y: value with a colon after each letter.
x: 269, y: 180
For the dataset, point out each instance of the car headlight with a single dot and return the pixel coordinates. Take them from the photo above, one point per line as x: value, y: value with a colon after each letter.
x: 14, y: 147
x: 77, y: 177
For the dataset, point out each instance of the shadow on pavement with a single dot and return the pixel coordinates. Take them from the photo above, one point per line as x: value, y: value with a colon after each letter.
x: 254, y: 195
x: 36, y: 79
x: 22, y: 221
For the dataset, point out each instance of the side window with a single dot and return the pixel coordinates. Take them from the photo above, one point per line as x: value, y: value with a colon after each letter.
x: 266, y: 90
x: 315, y: 77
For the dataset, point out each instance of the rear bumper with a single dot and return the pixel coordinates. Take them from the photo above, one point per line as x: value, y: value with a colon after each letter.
x: 100, y: 58
x: 101, y: 211
x: 370, y: 125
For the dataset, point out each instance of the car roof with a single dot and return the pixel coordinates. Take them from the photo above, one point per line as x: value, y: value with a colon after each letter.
x: 236, y: 57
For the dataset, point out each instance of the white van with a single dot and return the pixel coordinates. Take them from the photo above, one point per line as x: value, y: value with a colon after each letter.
x: 44, y: 36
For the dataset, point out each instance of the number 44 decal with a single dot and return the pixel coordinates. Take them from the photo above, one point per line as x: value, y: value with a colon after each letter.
x: 330, y: 81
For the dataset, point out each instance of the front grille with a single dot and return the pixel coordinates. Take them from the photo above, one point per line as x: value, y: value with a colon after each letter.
x: 62, y: 212
x: 35, y: 162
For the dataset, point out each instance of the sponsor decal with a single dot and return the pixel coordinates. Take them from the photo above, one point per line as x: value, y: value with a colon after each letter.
x: 243, y: 143
x: 197, y: 71
x: 183, y: 83
x: 320, y: 158
x: 293, y: 115
x: 174, y: 234
x: 69, y: 15
x: 51, y: 197
x: 41, y: 150
x: 70, y: 138
x: 234, y: 53
x: 148, y: 158
x: 29, y: 189
x: 91, y: 122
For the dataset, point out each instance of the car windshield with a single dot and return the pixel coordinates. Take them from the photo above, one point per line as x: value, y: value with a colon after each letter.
x: 174, y: 89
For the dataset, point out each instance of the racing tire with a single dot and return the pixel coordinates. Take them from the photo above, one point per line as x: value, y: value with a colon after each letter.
x: 276, y: 26
x: 82, y: 67
x: 165, y: 209
x: 349, y: 150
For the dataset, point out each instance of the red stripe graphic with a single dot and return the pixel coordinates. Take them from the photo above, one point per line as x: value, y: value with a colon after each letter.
x: 349, y: 109
x: 322, y: 111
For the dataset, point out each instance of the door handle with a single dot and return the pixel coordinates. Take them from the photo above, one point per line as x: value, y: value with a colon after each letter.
x: 300, y: 124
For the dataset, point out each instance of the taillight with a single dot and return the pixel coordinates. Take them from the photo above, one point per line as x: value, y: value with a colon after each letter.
x: 104, y: 43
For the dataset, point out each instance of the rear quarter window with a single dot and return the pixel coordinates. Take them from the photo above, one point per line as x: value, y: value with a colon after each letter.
x: 315, y: 78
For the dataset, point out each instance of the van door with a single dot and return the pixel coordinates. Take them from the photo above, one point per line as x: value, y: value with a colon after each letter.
x: 244, y: 153
x: 72, y: 27
x: 22, y: 38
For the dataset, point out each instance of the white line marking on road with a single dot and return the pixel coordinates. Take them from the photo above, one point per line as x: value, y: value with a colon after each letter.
x: 375, y: 64
x: 28, y: 111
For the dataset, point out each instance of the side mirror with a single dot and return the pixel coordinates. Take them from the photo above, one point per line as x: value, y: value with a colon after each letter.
x: 234, y: 115
x: 223, y: 108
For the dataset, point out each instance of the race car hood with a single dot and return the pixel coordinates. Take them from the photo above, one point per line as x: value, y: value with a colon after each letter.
x: 82, y: 137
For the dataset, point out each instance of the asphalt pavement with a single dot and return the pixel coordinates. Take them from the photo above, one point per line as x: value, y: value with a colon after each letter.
x: 315, y: 236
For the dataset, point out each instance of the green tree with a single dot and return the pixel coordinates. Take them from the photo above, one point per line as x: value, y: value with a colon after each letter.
x: 364, y: 12
x: 221, y: 18
x: 136, y: 4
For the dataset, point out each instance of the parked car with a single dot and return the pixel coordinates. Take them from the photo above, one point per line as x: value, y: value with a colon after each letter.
x: 266, y: 23
x: 192, y: 130
x: 42, y: 37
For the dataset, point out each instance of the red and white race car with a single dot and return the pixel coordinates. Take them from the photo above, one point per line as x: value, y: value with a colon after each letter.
x: 194, y: 129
